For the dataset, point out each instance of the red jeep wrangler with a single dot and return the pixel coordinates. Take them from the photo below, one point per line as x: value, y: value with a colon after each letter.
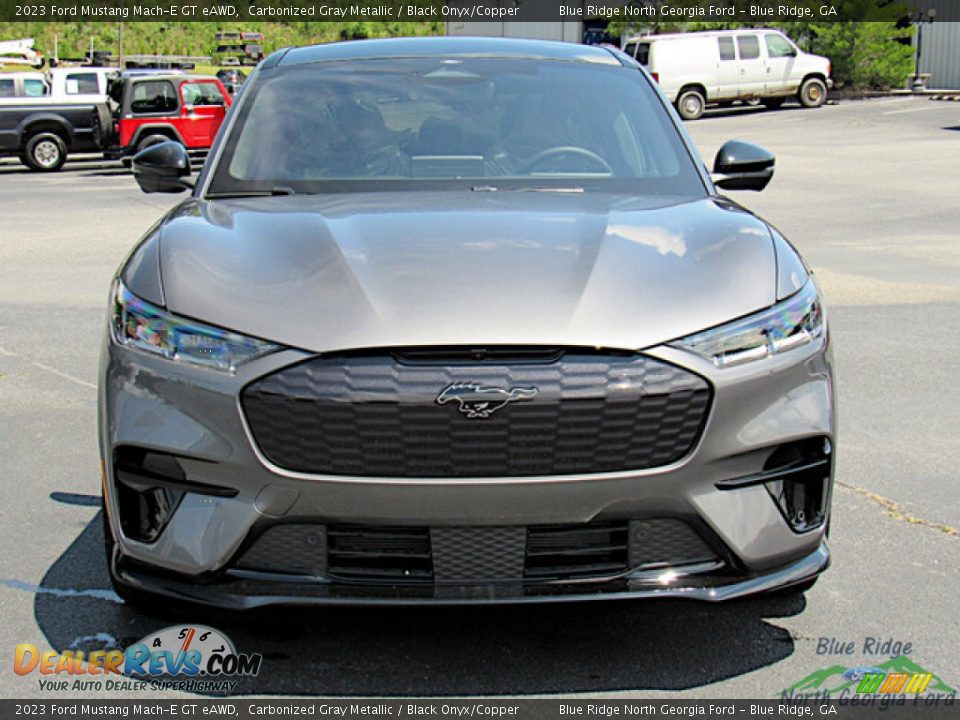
x: 145, y: 109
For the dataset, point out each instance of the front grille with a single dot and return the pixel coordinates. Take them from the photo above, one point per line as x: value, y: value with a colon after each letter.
x: 505, y: 415
x: 572, y: 551
x: 448, y: 556
x: 365, y: 553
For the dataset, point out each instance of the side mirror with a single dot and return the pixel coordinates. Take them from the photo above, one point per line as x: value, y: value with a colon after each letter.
x: 742, y: 166
x: 162, y: 168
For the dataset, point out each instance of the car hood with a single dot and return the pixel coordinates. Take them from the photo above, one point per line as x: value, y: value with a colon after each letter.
x: 356, y: 270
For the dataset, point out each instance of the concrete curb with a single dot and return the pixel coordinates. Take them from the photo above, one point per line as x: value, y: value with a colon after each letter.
x: 899, y: 92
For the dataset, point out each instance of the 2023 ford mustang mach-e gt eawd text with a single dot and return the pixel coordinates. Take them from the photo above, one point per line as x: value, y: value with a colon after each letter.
x: 461, y: 320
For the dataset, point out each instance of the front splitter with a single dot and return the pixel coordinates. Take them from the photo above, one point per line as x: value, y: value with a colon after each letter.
x: 244, y: 593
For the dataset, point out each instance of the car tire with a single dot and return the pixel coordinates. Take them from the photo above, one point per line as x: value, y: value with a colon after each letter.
x: 773, y: 103
x: 149, y: 140
x: 44, y: 152
x: 813, y: 93
x: 691, y: 104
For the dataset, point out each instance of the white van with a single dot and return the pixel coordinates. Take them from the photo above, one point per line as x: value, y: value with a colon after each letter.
x: 722, y: 66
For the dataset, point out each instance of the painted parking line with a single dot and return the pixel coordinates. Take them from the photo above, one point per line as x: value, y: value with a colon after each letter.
x: 926, y: 108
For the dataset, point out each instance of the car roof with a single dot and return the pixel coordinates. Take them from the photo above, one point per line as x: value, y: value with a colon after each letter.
x: 63, y: 69
x: 444, y: 47
x: 169, y: 76
x: 22, y: 74
x: 700, y: 33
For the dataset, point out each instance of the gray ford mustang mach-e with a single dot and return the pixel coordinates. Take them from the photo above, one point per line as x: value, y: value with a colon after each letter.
x: 461, y: 320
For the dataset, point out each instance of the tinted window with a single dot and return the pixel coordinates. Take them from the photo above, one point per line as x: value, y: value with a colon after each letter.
x: 777, y: 46
x: 201, y: 94
x: 82, y: 84
x: 749, y: 47
x: 34, y: 88
x: 396, y: 121
x: 631, y: 49
x: 6, y: 88
x: 156, y: 96
x: 726, y: 48
x: 643, y: 54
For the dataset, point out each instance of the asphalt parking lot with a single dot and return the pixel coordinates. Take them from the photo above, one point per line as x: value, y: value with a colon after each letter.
x: 867, y: 190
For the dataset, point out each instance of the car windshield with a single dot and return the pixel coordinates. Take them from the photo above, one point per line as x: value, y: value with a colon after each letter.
x: 407, y: 124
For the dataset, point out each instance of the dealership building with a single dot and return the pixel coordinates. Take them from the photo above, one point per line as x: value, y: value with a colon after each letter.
x: 940, y: 54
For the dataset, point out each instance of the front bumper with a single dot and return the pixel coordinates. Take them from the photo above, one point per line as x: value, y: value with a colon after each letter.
x: 245, y: 593
x: 231, y: 493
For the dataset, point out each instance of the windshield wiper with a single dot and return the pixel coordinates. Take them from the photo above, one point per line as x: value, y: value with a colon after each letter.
x: 278, y: 190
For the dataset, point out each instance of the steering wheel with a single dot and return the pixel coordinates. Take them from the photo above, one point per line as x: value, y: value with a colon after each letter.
x: 568, y: 150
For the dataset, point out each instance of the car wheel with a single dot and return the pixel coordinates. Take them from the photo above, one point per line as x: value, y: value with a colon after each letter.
x: 44, y: 152
x: 151, y: 140
x: 773, y: 103
x: 813, y: 93
x: 691, y: 104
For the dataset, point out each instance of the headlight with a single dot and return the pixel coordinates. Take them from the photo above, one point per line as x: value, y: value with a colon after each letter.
x: 796, y: 321
x: 139, y: 324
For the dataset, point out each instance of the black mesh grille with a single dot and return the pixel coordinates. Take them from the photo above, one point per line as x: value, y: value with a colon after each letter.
x: 478, y: 554
x: 475, y: 555
x: 388, y: 416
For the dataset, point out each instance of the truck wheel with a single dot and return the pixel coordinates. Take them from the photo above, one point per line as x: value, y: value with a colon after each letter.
x: 690, y: 104
x: 773, y: 103
x: 44, y: 152
x: 813, y: 93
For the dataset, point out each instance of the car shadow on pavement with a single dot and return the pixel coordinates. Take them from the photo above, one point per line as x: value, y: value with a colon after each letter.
x: 433, y: 651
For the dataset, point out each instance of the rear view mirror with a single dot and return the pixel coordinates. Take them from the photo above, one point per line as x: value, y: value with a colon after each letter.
x: 163, y: 168
x: 742, y: 166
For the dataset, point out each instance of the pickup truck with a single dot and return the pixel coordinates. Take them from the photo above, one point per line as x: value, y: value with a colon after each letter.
x: 42, y: 132
x: 68, y: 84
x: 22, y: 84
x: 88, y: 84
x: 146, y: 109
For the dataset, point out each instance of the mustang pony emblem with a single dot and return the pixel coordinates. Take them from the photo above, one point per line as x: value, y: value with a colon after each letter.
x: 481, y: 402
